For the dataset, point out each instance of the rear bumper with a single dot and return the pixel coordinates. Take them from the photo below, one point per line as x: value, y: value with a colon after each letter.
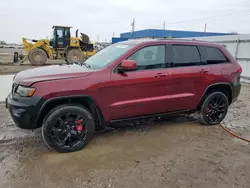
x: 236, y: 88
x: 23, y: 110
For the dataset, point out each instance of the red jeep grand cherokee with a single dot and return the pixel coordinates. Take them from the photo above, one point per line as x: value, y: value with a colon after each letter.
x: 125, y: 81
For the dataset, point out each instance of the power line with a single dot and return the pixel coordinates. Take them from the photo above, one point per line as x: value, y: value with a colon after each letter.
x: 205, y: 19
x: 208, y: 18
x: 185, y: 21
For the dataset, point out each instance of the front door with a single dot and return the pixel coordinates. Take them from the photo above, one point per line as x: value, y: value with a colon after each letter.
x: 141, y: 92
x: 59, y: 34
x: 62, y: 37
x: 66, y: 41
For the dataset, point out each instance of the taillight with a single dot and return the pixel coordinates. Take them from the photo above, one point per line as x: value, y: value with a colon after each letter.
x: 239, y: 70
x: 237, y: 75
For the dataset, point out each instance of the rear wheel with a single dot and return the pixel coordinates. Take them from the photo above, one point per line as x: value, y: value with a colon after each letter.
x: 68, y: 128
x: 74, y: 55
x: 37, y: 57
x: 214, y: 108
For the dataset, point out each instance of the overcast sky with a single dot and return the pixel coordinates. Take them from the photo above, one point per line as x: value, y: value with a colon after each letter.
x: 34, y: 19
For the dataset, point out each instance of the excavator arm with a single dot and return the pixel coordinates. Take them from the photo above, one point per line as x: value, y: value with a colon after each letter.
x: 42, y: 44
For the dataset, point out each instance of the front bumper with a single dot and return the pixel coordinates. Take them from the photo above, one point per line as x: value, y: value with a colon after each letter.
x: 23, y: 110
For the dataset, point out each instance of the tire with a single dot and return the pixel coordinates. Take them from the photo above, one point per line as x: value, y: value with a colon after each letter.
x: 37, y: 57
x: 74, y: 55
x: 208, y: 107
x: 58, y: 112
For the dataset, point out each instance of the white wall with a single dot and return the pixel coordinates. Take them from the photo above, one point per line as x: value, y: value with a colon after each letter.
x: 6, y: 84
x: 239, y: 47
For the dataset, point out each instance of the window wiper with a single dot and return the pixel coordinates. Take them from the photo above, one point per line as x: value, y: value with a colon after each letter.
x: 81, y: 63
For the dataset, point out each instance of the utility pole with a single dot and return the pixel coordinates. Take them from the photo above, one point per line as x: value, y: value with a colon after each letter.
x: 113, y: 34
x: 205, y: 29
x: 164, y: 25
x: 133, y: 27
x: 97, y: 38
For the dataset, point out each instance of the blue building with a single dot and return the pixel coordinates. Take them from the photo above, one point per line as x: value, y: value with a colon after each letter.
x: 158, y: 33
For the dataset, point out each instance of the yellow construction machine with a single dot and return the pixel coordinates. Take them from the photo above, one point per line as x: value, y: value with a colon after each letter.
x: 61, y: 46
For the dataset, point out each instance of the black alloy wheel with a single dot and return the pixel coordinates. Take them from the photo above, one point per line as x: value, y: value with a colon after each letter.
x: 68, y: 128
x: 214, y: 109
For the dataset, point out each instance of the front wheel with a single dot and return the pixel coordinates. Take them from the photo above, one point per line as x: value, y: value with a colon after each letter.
x: 37, y: 57
x: 214, y: 108
x: 68, y: 128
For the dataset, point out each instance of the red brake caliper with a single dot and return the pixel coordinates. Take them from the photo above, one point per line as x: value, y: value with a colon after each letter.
x: 79, y: 125
x: 207, y: 109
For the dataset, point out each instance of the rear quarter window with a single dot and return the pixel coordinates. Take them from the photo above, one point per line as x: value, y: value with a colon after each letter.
x: 213, y: 55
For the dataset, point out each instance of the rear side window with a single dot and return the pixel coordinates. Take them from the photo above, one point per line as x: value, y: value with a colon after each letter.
x: 185, y: 55
x: 213, y: 55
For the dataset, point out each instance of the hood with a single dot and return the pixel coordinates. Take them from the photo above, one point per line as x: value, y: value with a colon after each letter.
x: 52, y: 72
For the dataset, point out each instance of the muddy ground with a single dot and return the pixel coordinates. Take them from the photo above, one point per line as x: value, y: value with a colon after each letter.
x: 175, y: 152
x: 167, y: 153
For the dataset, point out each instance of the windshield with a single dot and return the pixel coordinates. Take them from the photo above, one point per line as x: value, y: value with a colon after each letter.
x: 108, y: 55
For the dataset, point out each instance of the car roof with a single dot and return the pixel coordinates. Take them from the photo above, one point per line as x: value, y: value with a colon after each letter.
x: 184, y: 41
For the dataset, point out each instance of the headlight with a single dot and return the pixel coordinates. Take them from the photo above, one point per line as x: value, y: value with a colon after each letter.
x: 25, y: 91
x: 74, y: 41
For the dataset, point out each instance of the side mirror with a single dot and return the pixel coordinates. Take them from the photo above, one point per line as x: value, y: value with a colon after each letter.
x: 127, y: 65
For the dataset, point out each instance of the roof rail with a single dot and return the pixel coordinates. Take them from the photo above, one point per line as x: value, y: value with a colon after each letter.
x: 181, y: 39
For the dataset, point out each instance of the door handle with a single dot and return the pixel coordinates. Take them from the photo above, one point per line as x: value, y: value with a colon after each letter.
x: 159, y: 75
x: 203, y: 71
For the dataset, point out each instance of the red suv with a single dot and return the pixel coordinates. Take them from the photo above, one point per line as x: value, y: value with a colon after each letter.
x: 125, y: 81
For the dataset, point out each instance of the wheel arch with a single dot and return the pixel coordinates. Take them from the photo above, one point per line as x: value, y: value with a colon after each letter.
x: 68, y: 48
x: 43, y: 45
x: 223, y: 87
x: 41, y: 48
x: 84, y: 100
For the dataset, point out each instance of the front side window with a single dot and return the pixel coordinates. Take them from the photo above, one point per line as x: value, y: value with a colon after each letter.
x: 67, y: 33
x: 59, y: 33
x: 150, y: 57
x: 185, y: 55
x: 213, y: 55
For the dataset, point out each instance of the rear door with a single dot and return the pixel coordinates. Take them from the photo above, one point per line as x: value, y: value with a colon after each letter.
x: 218, y: 63
x: 188, y: 71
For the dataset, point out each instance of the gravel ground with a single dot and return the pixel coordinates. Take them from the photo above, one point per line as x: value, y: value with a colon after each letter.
x: 238, y: 117
x: 177, y: 152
